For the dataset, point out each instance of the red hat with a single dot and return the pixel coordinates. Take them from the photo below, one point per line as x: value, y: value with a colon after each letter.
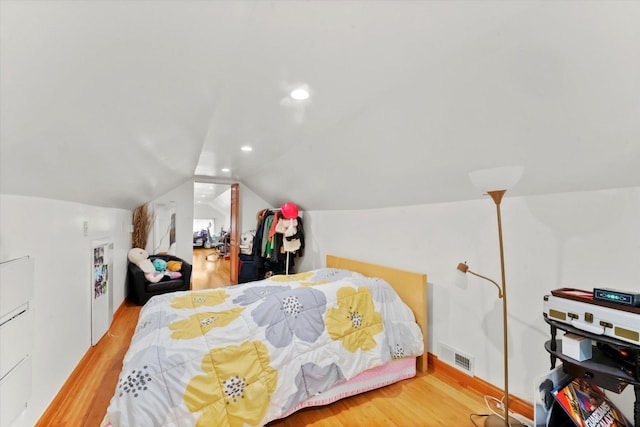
x: 289, y: 210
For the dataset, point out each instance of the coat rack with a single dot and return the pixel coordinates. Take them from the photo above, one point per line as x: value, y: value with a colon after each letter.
x: 278, y: 230
x: 289, y: 211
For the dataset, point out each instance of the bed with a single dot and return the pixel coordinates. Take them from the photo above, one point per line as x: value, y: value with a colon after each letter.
x: 257, y: 352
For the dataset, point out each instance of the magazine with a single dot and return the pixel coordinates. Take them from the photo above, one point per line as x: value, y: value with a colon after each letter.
x: 588, y: 406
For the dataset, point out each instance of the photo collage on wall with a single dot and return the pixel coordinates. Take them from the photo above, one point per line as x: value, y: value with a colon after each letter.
x: 100, y: 273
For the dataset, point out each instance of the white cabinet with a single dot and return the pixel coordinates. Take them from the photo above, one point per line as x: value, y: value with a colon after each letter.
x: 16, y: 334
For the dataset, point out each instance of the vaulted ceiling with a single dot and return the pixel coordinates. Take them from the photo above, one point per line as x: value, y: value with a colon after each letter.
x: 113, y: 103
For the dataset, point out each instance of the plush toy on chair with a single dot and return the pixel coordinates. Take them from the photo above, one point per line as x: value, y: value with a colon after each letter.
x: 149, y: 275
x: 140, y: 257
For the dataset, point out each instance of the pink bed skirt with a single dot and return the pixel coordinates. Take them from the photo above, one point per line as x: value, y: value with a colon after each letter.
x: 371, y: 379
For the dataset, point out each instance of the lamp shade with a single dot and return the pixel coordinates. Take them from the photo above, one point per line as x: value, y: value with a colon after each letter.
x: 501, y: 178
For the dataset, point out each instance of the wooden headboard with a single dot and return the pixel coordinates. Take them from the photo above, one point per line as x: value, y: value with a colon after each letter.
x: 412, y: 288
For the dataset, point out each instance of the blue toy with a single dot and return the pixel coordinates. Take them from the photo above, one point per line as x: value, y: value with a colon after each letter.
x: 160, y: 264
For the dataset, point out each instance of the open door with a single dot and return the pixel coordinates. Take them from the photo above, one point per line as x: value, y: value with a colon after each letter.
x: 234, y: 250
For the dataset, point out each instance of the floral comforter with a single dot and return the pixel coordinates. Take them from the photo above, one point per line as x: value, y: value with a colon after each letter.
x: 247, y: 354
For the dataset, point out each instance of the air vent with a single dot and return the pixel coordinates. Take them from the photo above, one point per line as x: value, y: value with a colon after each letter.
x: 456, y: 358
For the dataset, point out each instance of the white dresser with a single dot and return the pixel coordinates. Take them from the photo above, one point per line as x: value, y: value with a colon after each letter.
x: 16, y: 335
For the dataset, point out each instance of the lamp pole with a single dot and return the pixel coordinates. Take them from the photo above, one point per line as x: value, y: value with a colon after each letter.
x: 495, y: 420
x: 497, y: 198
x: 487, y: 180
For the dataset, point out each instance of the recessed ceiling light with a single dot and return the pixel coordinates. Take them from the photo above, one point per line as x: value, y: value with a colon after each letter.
x: 226, y: 170
x: 299, y: 94
x: 246, y: 148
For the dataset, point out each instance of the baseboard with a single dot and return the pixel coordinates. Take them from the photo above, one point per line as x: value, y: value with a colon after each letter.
x: 516, y: 404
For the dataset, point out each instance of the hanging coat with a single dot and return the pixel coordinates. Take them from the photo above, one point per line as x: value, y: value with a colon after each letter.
x: 288, y: 227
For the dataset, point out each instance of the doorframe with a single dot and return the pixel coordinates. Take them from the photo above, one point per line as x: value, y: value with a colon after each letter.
x: 234, y: 250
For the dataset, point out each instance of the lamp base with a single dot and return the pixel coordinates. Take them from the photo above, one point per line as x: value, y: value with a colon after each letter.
x: 496, y: 421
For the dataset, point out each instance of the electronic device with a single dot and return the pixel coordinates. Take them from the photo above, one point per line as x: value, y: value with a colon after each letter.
x: 618, y: 297
x: 579, y: 309
x: 623, y: 355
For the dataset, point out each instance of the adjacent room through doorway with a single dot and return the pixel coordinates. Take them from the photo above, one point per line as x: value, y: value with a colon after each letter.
x: 212, y: 234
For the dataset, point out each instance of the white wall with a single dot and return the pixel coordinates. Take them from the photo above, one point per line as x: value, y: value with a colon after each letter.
x: 203, y: 211
x: 160, y: 239
x: 182, y: 198
x: 581, y: 240
x: 51, y: 232
x: 250, y: 205
x: 222, y: 206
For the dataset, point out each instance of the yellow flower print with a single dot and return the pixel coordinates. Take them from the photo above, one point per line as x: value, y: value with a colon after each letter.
x: 292, y: 277
x: 200, y: 299
x: 235, y: 388
x: 355, y: 321
x: 200, y: 323
x: 307, y: 284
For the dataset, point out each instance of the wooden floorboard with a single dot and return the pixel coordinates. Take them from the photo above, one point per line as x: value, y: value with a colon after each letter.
x: 432, y: 399
x: 209, y: 270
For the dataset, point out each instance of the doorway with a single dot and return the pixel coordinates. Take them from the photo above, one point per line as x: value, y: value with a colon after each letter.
x: 215, y: 233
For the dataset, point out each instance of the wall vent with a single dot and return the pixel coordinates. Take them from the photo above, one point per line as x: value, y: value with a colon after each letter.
x: 457, y: 359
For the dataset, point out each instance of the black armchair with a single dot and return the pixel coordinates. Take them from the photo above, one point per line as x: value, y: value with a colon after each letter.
x: 139, y: 290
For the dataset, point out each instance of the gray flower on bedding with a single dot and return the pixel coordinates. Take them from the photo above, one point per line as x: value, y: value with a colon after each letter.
x: 144, y: 382
x: 256, y: 293
x: 401, y: 341
x: 311, y: 380
x: 385, y: 293
x: 153, y: 322
x: 295, y: 312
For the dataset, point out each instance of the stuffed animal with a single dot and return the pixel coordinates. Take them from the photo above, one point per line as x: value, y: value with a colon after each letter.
x: 174, y: 266
x: 160, y: 265
x: 140, y: 257
x: 289, y: 227
x: 246, y: 242
x: 172, y: 274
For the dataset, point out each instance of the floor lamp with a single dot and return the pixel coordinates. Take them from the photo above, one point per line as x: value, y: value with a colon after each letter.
x: 489, y: 180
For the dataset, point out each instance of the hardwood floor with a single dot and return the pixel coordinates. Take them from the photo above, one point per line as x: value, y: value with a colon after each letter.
x: 433, y: 399
x: 427, y: 400
x: 209, y: 270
